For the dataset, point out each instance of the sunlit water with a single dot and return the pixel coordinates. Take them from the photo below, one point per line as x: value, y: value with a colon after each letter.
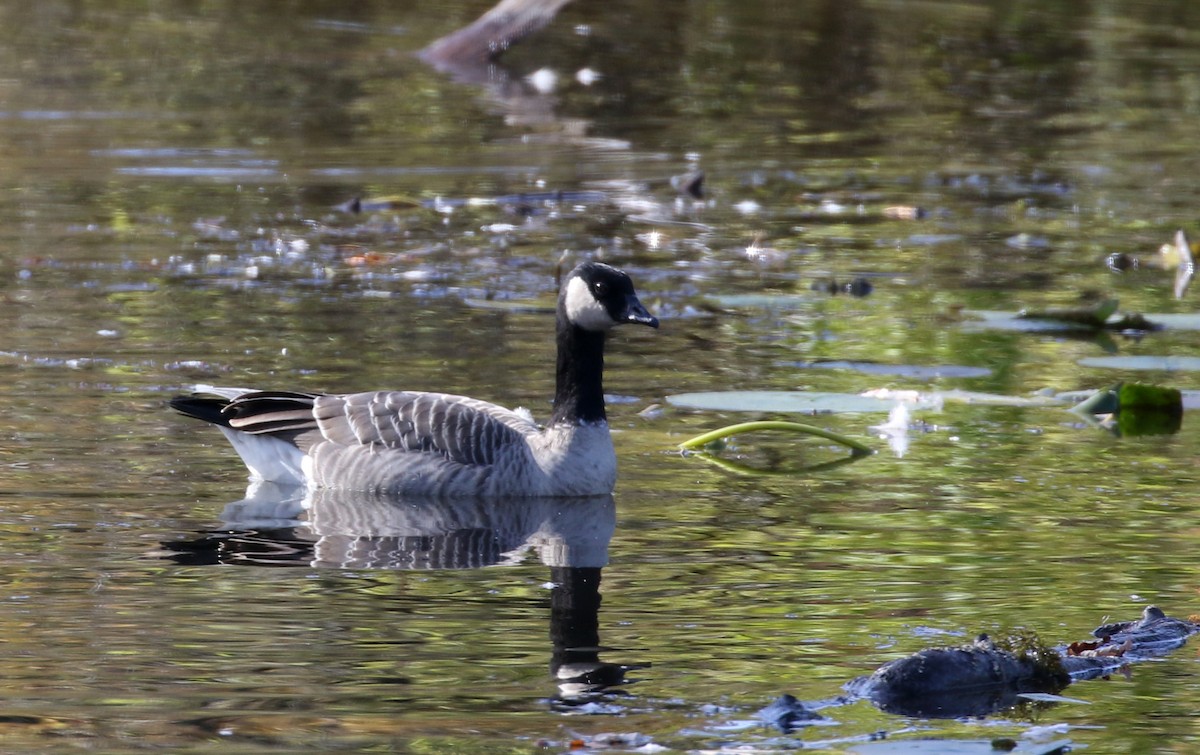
x: 167, y: 215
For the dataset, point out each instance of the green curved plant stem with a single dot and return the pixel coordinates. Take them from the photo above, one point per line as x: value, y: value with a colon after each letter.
x: 748, y: 471
x: 700, y: 441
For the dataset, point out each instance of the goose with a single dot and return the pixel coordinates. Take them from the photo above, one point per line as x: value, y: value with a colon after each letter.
x: 409, y: 443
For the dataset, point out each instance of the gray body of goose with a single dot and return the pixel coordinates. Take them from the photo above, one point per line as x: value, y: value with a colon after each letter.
x: 439, y: 444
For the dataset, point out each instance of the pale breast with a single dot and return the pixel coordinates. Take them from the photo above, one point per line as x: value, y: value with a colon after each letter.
x: 576, y: 459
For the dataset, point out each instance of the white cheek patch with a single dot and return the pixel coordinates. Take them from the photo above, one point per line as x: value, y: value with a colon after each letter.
x: 583, y: 309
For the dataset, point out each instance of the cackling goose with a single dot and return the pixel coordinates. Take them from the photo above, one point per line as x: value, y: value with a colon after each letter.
x: 437, y: 444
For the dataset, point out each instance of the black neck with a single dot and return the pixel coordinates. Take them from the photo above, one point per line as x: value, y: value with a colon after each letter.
x: 579, y: 394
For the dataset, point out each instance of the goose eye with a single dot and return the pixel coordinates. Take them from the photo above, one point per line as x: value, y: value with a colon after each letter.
x: 599, y: 289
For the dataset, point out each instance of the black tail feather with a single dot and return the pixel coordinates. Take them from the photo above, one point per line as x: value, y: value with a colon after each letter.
x: 205, y: 408
x: 257, y: 412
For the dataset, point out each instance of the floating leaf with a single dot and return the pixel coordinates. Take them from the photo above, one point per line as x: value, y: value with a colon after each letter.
x: 759, y: 301
x: 1158, y: 363
x: 1178, y: 256
x: 1087, y: 317
x: 812, y: 402
x: 995, y: 320
x: 1139, y: 409
x: 522, y: 306
x: 1046, y: 697
x: 377, y: 204
x: 993, y: 399
x: 955, y: 747
x: 1177, y: 320
x: 1103, y: 401
x: 1075, y: 321
x: 932, y: 239
x: 915, y: 371
x: 784, y: 401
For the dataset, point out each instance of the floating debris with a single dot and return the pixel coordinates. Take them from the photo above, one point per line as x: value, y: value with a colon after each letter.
x: 690, y: 184
x: 788, y: 714
x: 1094, y: 317
x: 760, y: 254
x: 587, y: 76
x: 904, y: 212
x: 1120, y: 262
x: 1133, y: 409
x: 895, y: 430
x: 858, y: 286
x: 915, y: 371
x: 1027, y: 241
x: 800, y: 402
x: 544, y: 80
x: 1178, y: 255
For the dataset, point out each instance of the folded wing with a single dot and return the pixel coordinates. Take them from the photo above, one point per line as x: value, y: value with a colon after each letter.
x: 457, y: 428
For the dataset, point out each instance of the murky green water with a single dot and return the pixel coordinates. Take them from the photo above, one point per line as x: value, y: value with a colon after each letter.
x: 168, y: 178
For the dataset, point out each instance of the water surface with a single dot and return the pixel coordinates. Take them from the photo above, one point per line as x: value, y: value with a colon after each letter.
x: 168, y: 216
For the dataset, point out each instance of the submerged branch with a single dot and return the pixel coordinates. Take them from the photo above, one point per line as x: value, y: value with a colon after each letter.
x: 505, y: 24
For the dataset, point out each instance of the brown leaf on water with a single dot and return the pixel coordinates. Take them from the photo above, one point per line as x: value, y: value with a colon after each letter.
x: 903, y: 212
x: 1100, y: 649
x: 357, y: 256
x: 1079, y: 648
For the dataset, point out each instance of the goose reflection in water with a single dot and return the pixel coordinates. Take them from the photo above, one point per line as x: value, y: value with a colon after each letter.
x: 283, y: 526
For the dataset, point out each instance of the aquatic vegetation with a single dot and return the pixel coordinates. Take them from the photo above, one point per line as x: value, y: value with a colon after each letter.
x: 742, y: 428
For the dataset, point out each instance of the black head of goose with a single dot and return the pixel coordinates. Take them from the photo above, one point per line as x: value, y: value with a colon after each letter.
x: 438, y: 444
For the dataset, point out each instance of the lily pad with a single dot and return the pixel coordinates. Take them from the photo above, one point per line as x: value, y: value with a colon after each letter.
x: 994, y: 320
x: 1046, y: 697
x: 994, y: 399
x: 786, y: 401
x: 915, y: 371
x: 521, y: 306
x: 1088, y: 317
x: 956, y: 747
x: 759, y: 301
x: 1099, y: 319
x: 932, y: 239
x: 1177, y: 320
x: 1156, y: 363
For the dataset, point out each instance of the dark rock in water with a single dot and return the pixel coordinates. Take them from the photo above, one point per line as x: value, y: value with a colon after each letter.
x: 1151, y: 636
x: 787, y: 714
x: 1119, y: 262
x: 986, y: 676
x: 981, y: 678
x: 1154, y: 632
x: 351, y: 207
x: 825, y: 285
x: 691, y: 184
x: 860, y: 286
x: 972, y: 680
